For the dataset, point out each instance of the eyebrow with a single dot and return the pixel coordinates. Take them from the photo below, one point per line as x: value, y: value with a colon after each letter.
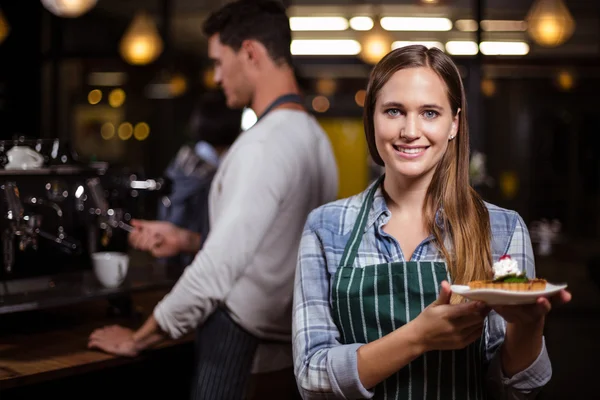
x: 400, y: 105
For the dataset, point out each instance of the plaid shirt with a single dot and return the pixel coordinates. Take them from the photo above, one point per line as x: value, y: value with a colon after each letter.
x: 324, y: 367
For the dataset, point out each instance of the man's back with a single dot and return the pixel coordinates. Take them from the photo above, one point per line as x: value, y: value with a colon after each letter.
x: 292, y: 152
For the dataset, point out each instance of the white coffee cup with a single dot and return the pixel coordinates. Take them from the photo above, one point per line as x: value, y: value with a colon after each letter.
x: 22, y: 157
x: 110, y: 268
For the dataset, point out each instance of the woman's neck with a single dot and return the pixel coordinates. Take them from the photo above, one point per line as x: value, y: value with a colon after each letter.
x: 405, y: 196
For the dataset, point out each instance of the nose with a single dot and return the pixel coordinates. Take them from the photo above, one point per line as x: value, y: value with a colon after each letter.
x: 410, y: 130
x: 217, y: 76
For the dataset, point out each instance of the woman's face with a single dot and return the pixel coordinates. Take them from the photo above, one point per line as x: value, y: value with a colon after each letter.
x: 413, y: 123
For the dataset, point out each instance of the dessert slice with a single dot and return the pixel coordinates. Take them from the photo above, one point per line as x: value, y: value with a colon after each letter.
x: 508, y: 276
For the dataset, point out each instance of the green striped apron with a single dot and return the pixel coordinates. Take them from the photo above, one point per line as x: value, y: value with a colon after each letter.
x: 371, y: 301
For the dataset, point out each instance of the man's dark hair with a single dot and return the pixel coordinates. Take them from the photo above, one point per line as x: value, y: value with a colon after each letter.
x: 213, y: 122
x: 262, y: 20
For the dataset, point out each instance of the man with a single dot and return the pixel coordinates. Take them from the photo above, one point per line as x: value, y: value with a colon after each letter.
x: 238, y: 290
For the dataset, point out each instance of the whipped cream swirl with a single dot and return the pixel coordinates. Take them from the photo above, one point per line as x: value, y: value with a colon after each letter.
x: 506, y: 266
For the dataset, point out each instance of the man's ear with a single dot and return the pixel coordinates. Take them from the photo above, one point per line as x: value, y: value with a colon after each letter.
x: 252, y: 50
x: 255, y: 50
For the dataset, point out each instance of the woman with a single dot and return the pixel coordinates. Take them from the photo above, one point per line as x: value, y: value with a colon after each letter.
x: 373, y: 310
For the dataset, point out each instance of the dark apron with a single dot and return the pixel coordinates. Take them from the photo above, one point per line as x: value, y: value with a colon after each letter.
x: 224, y: 350
x: 372, y: 301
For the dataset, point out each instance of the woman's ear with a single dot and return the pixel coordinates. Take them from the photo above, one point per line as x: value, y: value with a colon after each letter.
x: 455, y: 125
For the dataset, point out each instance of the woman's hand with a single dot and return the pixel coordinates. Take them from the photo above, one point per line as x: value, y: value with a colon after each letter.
x: 531, y: 314
x: 445, y: 326
x: 524, y: 331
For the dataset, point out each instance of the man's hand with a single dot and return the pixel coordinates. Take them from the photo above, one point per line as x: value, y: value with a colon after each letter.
x: 115, y: 340
x: 122, y: 341
x: 163, y: 239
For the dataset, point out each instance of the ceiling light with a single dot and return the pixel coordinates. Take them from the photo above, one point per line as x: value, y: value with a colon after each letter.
x: 360, y: 97
x: 416, y: 24
x: 320, y: 104
x: 428, y: 44
x: 550, y: 23
x: 341, y: 47
x: 462, y: 48
x: 491, y: 25
x: 504, y: 48
x: 69, y: 8
x: 318, y: 24
x: 466, y: 25
x: 141, y: 44
x: 497, y: 25
x: 107, y: 78
x: 361, y: 23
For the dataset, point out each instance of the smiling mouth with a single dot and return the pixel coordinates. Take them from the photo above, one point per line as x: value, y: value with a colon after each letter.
x: 410, y: 150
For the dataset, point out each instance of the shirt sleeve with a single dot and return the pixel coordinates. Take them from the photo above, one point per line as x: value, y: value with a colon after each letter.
x: 527, y: 383
x: 250, y: 205
x: 324, y: 368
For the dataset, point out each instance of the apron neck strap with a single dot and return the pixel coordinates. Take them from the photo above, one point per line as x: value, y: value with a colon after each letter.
x: 286, y: 98
x: 359, y: 226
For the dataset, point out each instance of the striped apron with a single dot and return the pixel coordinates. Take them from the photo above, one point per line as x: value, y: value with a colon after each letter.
x: 224, y: 356
x: 372, y: 301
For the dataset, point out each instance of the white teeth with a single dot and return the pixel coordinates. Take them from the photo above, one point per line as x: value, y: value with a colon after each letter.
x: 411, y: 151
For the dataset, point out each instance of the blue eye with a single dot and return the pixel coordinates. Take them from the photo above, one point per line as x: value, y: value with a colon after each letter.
x: 430, y: 114
x: 393, y: 112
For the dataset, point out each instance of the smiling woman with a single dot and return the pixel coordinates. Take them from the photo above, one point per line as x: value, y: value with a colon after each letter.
x: 416, y: 129
x: 374, y: 315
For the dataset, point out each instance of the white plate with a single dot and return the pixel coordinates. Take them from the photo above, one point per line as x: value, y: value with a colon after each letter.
x: 495, y: 297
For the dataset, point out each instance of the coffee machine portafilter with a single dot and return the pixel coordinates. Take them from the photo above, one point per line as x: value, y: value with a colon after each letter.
x: 26, y: 227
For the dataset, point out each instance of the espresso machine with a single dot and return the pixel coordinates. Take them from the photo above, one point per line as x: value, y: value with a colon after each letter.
x: 53, y: 218
x: 52, y: 224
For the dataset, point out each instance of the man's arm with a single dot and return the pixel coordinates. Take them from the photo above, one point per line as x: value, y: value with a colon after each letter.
x: 253, y: 184
x: 148, y: 335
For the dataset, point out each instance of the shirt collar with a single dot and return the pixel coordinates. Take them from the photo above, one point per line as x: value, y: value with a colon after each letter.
x: 380, y: 212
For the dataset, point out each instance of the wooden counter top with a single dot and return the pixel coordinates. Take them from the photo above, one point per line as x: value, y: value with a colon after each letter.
x: 42, y: 345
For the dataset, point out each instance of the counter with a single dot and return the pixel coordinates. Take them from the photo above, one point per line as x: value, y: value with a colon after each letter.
x: 50, y: 344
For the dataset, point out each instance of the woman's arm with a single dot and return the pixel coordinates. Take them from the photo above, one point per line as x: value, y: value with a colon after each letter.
x: 324, y: 368
x: 520, y: 366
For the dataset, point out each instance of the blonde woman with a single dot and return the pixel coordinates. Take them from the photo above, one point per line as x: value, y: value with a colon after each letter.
x: 373, y: 312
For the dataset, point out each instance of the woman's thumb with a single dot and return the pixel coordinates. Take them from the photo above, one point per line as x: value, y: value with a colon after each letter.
x: 445, y: 294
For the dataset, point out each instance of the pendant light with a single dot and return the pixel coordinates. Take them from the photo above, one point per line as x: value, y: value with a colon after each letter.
x: 141, y: 44
x: 69, y: 8
x: 550, y: 23
x: 375, y: 44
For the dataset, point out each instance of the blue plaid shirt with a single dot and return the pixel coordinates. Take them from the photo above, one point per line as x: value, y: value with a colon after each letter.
x: 327, y: 369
